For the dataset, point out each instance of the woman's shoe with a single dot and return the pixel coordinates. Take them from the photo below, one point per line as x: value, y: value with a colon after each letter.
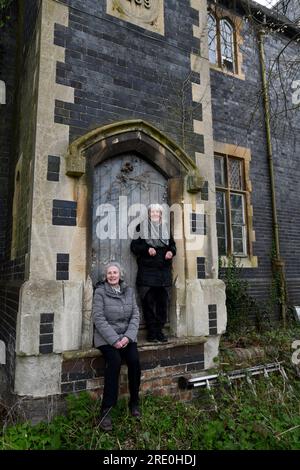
x: 105, y: 420
x: 151, y: 337
x: 135, y: 411
x: 161, y: 337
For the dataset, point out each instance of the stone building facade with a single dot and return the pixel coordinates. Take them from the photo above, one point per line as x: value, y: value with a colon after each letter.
x: 95, y: 89
x: 239, y: 121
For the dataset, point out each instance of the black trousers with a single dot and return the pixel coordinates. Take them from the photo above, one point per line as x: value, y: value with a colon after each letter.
x: 113, y: 359
x: 155, y: 308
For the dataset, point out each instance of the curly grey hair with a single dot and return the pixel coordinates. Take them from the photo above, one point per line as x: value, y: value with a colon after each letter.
x: 109, y: 265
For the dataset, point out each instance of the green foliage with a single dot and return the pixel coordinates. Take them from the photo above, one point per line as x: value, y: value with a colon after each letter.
x: 276, y: 343
x: 237, y: 418
x: 240, y: 306
x: 4, y: 6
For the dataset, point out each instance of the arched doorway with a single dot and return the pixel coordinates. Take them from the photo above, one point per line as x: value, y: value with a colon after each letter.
x: 102, y: 159
x: 120, y: 184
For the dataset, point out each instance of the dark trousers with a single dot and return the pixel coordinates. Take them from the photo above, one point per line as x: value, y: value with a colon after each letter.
x: 113, y: 359
x: 155, y: 308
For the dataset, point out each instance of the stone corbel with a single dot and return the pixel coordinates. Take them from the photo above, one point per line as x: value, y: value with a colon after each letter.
x: 75, y: 162
x: 194, y: 182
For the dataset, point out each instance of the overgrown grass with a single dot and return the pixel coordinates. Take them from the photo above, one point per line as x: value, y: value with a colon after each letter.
x: 276, y: 341
x: 265, y: 417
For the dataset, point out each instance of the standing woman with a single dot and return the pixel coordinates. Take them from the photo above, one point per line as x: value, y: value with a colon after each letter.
x: 116, y: 320
x: 154, y: 249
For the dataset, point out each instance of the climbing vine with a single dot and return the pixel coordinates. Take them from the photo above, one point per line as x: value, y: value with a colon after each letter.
x: 241, y: 307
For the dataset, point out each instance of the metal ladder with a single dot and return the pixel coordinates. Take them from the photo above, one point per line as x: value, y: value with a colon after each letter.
x: 213, y: 379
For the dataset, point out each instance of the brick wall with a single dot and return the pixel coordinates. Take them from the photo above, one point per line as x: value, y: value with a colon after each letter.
x: 238, y: 119
x: 8, y: 295
x: 290, y: 8
x: 9, y: 303
x: 120, y: 71
x: 161, y: 368
x: 16, y: 144
x: 8, y: 50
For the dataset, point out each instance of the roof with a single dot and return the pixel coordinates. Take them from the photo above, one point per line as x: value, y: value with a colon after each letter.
x: 272, y: 16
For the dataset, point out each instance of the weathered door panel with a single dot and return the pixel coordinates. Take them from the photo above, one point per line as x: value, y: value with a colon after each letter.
x: 127, y: 175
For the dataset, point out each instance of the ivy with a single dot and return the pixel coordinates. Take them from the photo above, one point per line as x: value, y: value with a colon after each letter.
x: 242, y: 309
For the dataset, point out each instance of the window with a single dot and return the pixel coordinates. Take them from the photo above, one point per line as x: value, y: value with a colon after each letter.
x: 222, y: 43
x: 227, y: 45
x: 231, y: 204
x: 212, y: 39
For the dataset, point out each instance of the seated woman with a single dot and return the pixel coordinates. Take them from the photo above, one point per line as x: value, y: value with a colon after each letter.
x: 154, y: 249
x: 116, y: 320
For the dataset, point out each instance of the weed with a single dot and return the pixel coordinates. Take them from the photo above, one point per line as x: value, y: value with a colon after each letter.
x: 265, y: 417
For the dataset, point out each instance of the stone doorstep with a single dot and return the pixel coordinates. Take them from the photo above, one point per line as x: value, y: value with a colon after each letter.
x: 143, y: 346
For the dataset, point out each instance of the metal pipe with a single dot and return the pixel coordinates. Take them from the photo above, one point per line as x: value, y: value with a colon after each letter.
x: 278, y: 263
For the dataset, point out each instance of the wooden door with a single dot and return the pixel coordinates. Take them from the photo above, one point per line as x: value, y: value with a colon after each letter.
x: 125, y: 175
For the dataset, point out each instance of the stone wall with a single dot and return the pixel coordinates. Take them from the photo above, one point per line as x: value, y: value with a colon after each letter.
x: 120, y: 71
x: 9, y: 302
x: 8, y: 295
x: 8, y: 58
x: 289, y: 8
x: 17, y: 141
x: 238, y: 119
x: 161, y: 367
x: 95, y: 69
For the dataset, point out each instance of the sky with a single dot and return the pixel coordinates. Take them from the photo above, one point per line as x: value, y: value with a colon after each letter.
x: 266, y: 3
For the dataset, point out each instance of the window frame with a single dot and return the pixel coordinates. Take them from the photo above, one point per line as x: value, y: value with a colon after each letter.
x: 218, y: 42
x: 228, y: 191
x: 216, y: 53
x: 237, y: 23
x: 234, y: 48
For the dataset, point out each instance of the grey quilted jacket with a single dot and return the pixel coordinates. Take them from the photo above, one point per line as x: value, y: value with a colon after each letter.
x: 114, y: 315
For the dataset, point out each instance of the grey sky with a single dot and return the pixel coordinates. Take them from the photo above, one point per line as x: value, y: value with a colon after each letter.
x: 267, y: 3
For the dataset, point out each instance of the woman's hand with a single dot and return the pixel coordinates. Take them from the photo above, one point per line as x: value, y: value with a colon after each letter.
x: 169, y: 255
x: 152, y: 252
x: 122, y: 343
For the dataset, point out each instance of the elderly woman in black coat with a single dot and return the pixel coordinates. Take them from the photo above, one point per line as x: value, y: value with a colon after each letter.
x: 116, y: 320
x: 154, y: 249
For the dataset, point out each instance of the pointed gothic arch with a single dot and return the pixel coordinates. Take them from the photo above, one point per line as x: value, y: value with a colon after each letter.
x: 158, y: 149
x: 107, y: 144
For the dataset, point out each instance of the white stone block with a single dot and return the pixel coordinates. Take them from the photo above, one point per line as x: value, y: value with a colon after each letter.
x: 211, y: 352
x: 38, y: 376
x: 68, y: 325
x: 199, y: 294
x: 64, y: 299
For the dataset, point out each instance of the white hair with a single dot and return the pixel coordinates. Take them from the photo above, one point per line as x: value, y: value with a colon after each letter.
x: 111, y: 264
x: 155, y: 207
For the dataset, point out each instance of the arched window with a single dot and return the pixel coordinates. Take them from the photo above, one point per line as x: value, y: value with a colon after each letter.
x: 221, y: 43
x: 212, y: 39
x: 227, y: 45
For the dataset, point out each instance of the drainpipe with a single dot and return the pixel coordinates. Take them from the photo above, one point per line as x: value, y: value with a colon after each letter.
x: 278, y: 262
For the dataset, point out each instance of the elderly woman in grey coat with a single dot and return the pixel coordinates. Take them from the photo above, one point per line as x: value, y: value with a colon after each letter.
x: 116, y: 321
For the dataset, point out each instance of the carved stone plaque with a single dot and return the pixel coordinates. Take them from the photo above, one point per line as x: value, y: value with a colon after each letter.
x: 148, y: 14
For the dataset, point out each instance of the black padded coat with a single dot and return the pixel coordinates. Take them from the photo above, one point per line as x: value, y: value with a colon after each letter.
x: 153, y: 271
